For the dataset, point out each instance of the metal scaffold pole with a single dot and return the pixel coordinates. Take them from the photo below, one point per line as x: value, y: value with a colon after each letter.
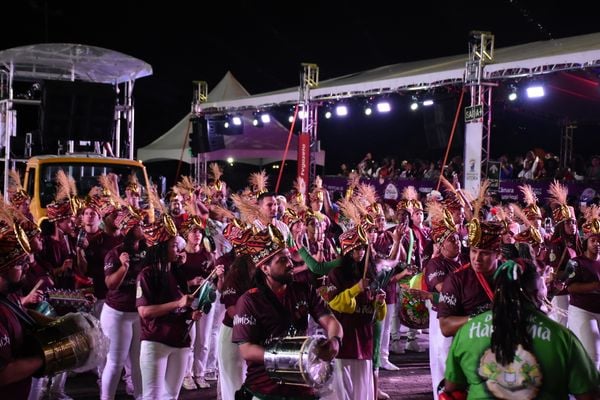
x: 199, y: 166
x: 481, y: 52
x: 308, y: 113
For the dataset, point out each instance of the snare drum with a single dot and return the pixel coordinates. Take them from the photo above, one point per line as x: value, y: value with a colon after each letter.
x: 293, y: 360
x: 412, y: 311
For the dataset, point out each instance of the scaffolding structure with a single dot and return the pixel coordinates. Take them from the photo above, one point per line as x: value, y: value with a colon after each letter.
x: 309, y: 79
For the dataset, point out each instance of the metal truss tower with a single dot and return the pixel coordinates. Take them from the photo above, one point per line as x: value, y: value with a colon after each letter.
x: 309, y: 80
x: 566, y: 144
x: 481, y: 52
x: 199, y: 167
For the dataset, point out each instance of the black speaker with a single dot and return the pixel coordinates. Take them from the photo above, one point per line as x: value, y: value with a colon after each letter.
x: 77, y: 111
x: 205, y: 136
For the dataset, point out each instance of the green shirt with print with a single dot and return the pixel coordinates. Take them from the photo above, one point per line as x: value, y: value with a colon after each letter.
x: 562, y: 367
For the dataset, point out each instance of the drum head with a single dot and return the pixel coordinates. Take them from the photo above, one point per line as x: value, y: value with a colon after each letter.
x: 316, y: 372
x: 413, y: 311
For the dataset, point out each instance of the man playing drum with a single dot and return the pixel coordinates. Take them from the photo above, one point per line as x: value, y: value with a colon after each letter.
x: 277, y: 308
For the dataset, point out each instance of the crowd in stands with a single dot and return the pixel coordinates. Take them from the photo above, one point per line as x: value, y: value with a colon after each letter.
x: 534, y: 165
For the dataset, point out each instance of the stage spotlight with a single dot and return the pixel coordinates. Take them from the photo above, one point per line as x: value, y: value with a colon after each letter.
x: 291, y: 119
x: 226, y: 124
x: 384, y: 107
x: 237, y: 120
x: 368, y: 110
x: 535, y: 91
x: 265, y: 118
x: 414, y: 105
x: 512, y: 96
x: 428, y: 102
x: 327, y: 114
x: 341, y: 110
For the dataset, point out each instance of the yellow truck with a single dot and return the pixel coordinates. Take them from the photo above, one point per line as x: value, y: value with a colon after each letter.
x: 40, y: 175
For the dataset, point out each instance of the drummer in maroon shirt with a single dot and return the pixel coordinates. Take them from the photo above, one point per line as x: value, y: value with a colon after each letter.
x: 17, y: 365
x: 277, y: 308
x: 164, y: 311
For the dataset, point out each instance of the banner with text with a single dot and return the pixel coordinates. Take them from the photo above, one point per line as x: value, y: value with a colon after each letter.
x: 304, y: 157
x: 472, y: 174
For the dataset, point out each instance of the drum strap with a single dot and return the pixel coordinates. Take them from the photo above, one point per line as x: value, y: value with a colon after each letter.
x: 19, y: 312
x: 485, y: 285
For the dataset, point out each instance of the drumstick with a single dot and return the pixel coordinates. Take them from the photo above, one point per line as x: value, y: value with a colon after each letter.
x: 37, y: 285
x: 366, y: 262
x: 208, y: 278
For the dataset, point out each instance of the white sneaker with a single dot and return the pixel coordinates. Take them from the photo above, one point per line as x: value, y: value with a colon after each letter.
x: 388, y: 366
x: 413, y: 345
x: 201, y: 382
x: 189, y: 384
x: 211, y: 375
x: 396, y: 347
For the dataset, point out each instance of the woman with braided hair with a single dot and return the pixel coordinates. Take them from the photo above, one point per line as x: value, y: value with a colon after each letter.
x: 515, y: 351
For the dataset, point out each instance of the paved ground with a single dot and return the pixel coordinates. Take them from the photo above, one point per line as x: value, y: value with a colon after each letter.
x: 411, y: 382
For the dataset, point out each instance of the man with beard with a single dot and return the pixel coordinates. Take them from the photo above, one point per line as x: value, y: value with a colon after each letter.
x: 16, y: 366
x: 275, y: 309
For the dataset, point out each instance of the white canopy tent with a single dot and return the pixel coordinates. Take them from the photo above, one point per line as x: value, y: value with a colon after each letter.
x: 256, y: 145
x: 577, y: 52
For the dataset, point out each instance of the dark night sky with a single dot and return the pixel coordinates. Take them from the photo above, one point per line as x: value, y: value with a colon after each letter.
x: 264, y: 43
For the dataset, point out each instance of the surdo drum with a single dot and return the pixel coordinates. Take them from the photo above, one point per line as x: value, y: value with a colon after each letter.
x: 293, y: 360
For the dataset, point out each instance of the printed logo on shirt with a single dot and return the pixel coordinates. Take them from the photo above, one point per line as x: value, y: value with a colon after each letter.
x: 229, y: 292
x: 138, y: 291
x: 447, y: 298
x: 108, y: 265
x: 244, y: 320
x: 4, y: 341
x: 435, y: 274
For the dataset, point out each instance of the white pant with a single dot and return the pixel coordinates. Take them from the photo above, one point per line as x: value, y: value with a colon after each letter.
x: 200, y: 335
x: 40, y: 388
x: 163, y: 369
x: 560, y: 306
x: 353, y: 379
x: 211, y: 361
x: 384, y: 350
x: 586, y: 326
x: 232, y: 367
x: 439, y: 347
x: 123, y: 330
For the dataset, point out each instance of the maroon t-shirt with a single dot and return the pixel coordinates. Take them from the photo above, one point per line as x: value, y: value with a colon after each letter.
x: 196, y: 264
x: 257, y: 320
x: 11, y: 347
x: 53, y: 255
x: 155, y: 288
x: 358, y: 326
x: 422, y: 243
x: 100, y: 243
x: 383, y: 245
x: 229, y: 296
x: 463, y: 295
x: 586, y: 271
x: 123, y: 297
x: 436, y: 270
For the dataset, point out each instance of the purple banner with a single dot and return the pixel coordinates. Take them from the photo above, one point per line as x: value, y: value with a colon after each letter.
x: 390, y: 190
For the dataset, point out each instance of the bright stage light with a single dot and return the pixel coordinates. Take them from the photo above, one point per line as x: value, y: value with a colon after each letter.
x: 535, y: 92
x: 427, y: 103
x: 383, y: 107
x: 368, y: 111
x: 341, y: 111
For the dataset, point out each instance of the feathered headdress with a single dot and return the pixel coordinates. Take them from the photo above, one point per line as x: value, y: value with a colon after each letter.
x: 442, y: 223
x: 258, y: 182
x: 557, y: 195
x: 157, y: 231
x: 217, y: 184
x: 529, y: 235
x: 249, y: 210
x: 531, y: 209
x: 17, y: 193
x: 194, y: 219
x: 353, y: 181
x: 484, y: 235
x: 368, y: 198
x: 357, y: 235
x: 410, y: 200
x: 133, y: 185
x: 452, y: 197
x: 300, y: 187
x: 591, y: 226
x: 66, y: 203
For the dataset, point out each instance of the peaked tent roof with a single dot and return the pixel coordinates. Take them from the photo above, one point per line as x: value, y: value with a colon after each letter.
x: 257, y: 145
x: 523, y: 60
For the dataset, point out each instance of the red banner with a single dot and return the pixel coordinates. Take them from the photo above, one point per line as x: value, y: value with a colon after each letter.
x: 304, y: 157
